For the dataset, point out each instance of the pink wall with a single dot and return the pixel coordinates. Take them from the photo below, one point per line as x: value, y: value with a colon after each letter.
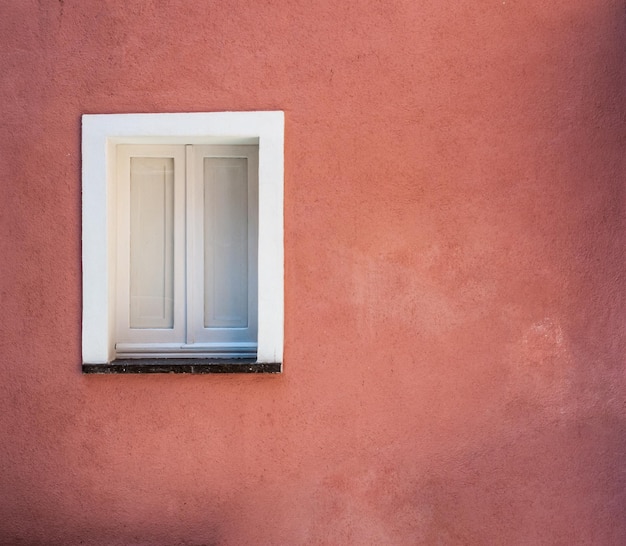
x: 455, y: 325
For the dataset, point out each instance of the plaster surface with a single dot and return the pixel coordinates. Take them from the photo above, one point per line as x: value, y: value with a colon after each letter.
x: 454, y: 278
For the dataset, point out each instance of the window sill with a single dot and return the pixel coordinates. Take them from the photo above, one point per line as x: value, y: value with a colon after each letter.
x: 182, y: 365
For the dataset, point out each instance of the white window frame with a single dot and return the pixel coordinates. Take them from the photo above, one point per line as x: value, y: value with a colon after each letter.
x: 101, y: 133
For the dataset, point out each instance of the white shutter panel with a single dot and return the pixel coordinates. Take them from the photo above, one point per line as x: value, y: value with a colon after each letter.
x: 225, y: 242
x: 150, y: 279
x: 151, y: 242
x: 223, y: 208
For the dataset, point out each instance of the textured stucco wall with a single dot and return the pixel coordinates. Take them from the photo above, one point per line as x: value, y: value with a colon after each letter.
x: 455, y: 324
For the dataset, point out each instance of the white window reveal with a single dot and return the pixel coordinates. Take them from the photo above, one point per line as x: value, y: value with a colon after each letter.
x: 182, y: 236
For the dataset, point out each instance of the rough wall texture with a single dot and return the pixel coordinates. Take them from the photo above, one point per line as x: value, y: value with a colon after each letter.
x: 455, y: 324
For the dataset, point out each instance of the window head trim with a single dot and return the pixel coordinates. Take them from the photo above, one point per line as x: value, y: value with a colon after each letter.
x: 100, y: 134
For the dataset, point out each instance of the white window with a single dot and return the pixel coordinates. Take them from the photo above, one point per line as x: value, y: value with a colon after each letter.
x: 183, y: 236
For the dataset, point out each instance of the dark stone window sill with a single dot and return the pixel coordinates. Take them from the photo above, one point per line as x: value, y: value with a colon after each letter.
x: 182, y: 365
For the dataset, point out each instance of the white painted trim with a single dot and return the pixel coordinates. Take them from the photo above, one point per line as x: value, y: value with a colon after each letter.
x: 101, y: 132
